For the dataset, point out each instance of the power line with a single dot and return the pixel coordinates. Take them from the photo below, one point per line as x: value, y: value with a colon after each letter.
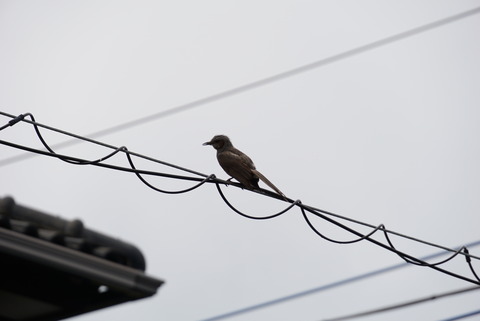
x: 403, y: 304
x: 389, y: 231
x: 324, y: 287
x: 212, y: 179
x: 463, y: 316
x: 15, y: 119
x: 264, y: 81
x: 36, y: 125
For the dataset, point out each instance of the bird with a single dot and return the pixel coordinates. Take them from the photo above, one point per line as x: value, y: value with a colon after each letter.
x: 238, y: 165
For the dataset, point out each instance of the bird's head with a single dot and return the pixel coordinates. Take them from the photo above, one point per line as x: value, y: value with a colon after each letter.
x: 218, y: 142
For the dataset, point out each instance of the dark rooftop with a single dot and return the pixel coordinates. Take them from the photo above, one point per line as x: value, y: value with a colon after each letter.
x: 54, y: 268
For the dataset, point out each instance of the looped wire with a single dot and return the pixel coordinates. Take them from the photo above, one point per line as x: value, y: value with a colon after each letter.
x: 380, y: 227
x: 97, y: 161
x: 212, y: 179
x: 420, y: 262
x: 44, y: 143
x: 248, y: 216
x: 130, y: 161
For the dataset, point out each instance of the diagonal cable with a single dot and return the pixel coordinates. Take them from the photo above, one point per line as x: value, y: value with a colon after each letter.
x: 211, y: 179
x: 263, y: 82
x: 403, y: 304
x: 323, y: 288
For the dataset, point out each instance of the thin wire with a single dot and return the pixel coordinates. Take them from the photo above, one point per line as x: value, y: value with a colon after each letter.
x: 380, y: 227
x: 36, y: 125
x: 464, y: 249
x: 90, y: 140
x: 44, y: 143
x: 133, y: 169
x: 74, y: 160
x: 211, y: 179
x: 386, y: 230
x: 393, y: 250
x: 462, y: 316
x: 391, y: 247
x: 325, y: 287
x: 16, y: 119
x: 139, y: 176
x: 406, y: 257
x: 249, y: 216
x: 109, y: 166
x: 265, y: 81
x: 403, y: 305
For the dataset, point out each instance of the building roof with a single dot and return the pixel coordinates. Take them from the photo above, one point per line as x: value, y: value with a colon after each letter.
x: 54, y: 268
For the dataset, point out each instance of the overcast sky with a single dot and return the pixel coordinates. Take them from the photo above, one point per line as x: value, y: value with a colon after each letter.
x: 389, y: 135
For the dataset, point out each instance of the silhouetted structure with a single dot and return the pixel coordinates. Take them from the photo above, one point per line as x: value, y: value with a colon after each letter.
x: 52, y: 268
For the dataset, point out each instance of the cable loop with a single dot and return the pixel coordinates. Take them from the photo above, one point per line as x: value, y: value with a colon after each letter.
x: 249, y: 216
x: 420, y: 262
x: 327, y: 216
x: 381, y: 226
x: 129, y: 158
x: 75, y: 162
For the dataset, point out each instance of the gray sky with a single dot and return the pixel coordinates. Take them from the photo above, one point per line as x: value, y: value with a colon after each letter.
x: 386, y: 136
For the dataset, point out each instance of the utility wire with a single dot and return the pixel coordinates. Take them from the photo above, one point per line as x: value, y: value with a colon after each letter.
x: 389, y: 231
x: 324, y: 287
x: 212, y: 179
x: 463, y: 316
x: 16, y: 119
x: 390, y: 248
x: 265, y: 81
x: 403, y: 305
x: 36, y: 125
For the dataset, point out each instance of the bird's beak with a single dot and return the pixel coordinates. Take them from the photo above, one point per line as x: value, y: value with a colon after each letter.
x: 207, y: 143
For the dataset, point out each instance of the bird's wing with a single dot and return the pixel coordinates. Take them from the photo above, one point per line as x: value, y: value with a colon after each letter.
x: 243, y: 158
x: 239, y: 166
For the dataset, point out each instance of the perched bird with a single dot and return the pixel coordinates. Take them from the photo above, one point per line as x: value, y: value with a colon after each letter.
x: 238, y: 165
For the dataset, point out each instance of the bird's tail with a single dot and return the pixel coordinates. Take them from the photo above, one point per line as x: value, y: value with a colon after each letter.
x: 266, y: 181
